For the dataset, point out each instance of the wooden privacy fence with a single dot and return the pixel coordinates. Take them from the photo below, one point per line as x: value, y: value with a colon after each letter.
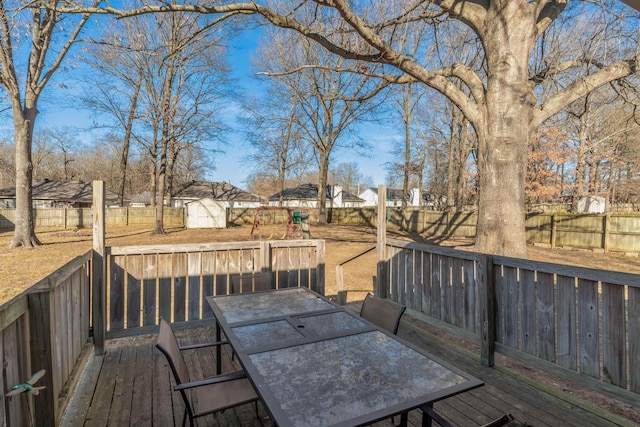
x: 83, y: 217
x: 173, y: 281
x: 567, y: 319
x: 46, y: 327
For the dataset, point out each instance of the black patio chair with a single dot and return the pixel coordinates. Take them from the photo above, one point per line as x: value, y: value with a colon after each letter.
x: 433, y: 415
x: 206, y: 396
x: 383, y: 313
x: 251, y: 282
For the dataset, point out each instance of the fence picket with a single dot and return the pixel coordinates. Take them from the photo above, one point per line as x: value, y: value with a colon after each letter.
x: 613, y: 337
x: 545, y: 312
x: 589, y: 355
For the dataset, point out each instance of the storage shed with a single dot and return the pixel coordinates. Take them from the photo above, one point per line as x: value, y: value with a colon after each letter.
x: 206, y: 213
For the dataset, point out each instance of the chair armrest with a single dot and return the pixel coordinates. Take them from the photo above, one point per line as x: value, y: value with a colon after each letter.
x: 427, y: 410
x: 203, y: 345
x: 213, y: 380
x: 503, y: 420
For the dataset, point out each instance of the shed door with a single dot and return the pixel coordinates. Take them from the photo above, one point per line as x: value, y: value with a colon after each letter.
x: 206, y: 214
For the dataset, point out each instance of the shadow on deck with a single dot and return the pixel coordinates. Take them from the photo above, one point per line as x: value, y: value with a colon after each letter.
x: 131, y: 386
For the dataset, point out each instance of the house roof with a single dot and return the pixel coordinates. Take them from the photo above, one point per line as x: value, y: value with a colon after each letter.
x: 392, y: 193
x: 220, y: 191
x: 310, y: 192
x: 143, y: 197
x: 61, y: 191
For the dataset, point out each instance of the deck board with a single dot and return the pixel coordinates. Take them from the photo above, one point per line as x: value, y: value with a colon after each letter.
x: 131, y: 385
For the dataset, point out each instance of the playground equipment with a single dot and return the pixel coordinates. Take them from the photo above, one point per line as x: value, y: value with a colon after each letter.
x: 297, y: 226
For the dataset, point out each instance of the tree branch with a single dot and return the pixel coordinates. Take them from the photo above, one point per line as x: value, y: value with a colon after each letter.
x: 580, y: 88
x: 546, y: 12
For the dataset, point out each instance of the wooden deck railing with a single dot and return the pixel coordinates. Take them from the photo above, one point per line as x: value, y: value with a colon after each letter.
x: 172, y: 281
x: 46, y: 328
x: 583, y: 320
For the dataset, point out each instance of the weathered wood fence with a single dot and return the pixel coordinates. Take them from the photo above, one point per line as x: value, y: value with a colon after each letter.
x: 46, y: 327
x: 172, y: 281
x: 567, y: 319
x: 606, y: 232
x: 83, y: 217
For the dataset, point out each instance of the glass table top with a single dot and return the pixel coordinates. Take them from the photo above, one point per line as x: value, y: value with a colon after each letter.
x: 328, y: 323
x: 265, y: 305
x: 262, y: 334
x: 331, y: 381
x: 269, y: 334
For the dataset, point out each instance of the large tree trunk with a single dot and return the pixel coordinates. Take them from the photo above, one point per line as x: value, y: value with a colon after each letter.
x: 504, y: 133
x: 24, y: 234
x: 323, y: 171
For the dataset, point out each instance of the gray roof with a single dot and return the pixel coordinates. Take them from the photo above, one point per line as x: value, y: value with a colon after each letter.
x: 61, y: 191
x: 221, y: 191
x: 310, y: 192
x: 392, y: 193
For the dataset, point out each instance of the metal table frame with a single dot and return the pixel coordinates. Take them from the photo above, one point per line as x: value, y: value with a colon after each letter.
x: 232, y: 318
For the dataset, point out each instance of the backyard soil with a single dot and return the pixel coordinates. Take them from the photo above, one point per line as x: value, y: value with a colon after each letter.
x: 20, y: 268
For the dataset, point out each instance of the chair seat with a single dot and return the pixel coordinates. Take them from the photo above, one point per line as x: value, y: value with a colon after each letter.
x: 218, y: 397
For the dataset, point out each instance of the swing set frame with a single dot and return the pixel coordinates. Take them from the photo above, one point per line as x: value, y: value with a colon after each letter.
x: 294, y: 228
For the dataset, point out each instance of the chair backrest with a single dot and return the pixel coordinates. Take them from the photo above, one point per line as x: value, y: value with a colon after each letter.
x: 383, y: 313
x: 168, y: 344
x: 251, y: 282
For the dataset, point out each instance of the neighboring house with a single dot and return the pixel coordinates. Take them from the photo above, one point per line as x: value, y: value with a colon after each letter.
x: 394, y: 198
x: 306, y: 195
x: 58, y: 194
x: 223, y: 192
x: 370, y: 196
x: 140, y: 200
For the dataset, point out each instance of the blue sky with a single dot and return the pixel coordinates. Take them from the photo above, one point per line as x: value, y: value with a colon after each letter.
x: 228, y: 165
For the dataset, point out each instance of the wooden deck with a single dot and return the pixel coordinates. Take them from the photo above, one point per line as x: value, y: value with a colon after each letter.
x: 131, y: 385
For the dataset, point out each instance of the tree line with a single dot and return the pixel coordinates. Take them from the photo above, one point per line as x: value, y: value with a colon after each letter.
x: 499, y: 103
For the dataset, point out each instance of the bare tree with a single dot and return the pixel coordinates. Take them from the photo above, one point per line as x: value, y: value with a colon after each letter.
x: 350, y: 178
x: 504, y: 107
x: 271, y: 123
x: 120, y: 59
x: 49, y: 41
x: 166, y: 80
x: 328, y: 101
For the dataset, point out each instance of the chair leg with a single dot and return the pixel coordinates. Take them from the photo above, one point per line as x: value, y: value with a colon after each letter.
x: 184, y: 418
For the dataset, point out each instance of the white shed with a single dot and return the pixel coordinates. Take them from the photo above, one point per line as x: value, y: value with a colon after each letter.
x: 206, y: 213
x: 592, y: 204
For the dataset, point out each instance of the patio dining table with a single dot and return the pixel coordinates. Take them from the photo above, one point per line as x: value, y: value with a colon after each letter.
x: 313, y: 363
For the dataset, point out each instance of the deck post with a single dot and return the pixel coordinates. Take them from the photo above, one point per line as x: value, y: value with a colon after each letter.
x: 381, y: 244
x: 98, y: 269
x: 486, y: 286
